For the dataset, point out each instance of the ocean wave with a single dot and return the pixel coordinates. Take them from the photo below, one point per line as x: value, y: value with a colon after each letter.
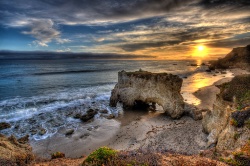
x: 53, y: 73
x: 52, y: 111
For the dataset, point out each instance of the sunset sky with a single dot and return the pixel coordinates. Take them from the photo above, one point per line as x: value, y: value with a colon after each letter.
x: 156, y: 29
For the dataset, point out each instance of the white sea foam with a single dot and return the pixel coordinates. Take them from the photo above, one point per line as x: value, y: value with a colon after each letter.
x: 53, y: 110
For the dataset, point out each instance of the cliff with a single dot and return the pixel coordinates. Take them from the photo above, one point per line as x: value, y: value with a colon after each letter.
x: 228, y: 124
x: 238, y: 57
x: 145, y: 88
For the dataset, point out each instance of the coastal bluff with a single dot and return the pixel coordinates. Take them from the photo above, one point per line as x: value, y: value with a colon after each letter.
x: 238, y: 58
x: 145, y: 88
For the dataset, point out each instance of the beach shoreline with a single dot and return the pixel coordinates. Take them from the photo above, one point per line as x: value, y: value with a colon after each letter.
x: 137, y: 129
x: 207, y: 94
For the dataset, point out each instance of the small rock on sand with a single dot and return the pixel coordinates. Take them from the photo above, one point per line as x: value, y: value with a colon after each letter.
x: 69, y: 132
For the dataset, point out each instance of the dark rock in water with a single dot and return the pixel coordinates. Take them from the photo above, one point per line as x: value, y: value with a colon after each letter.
x: 185, y: 77
x: 193, y: 64
x: 104, y: 111
x: 42, y: 131
x: 208, y: 70
x: 16, y: 127
x: 69, y: 132
x: 203, y: 64
x: 24, y: 140
x: 4, y: 125
x: 89, y: 115
x: 223, y: 72
x: 31, y: 121
x: 33, y: 131
x: 77, y: 116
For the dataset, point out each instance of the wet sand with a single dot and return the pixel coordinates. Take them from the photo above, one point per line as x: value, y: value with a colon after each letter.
x: 135, y: 129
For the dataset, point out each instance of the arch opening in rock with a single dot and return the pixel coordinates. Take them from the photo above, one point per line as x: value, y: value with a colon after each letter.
x: 145, y: 89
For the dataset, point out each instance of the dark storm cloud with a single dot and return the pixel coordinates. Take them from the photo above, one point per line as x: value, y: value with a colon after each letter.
x: 87, y: 11
x: 230, y: 43
x: 212, y: 3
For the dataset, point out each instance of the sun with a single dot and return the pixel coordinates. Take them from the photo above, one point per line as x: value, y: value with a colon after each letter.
x: 200, y: 51
x: 201, y: 48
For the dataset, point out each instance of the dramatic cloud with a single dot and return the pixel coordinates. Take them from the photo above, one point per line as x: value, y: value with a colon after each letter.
x: 90, y: 11
x: 160, y: 28
x: 42, y: 30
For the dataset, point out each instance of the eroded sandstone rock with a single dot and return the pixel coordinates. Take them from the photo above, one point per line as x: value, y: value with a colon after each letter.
x: 13, y: 152
x: 228, y: 123
x: 143, y: 88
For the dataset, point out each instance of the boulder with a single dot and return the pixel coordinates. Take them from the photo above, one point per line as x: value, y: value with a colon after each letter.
x: 90, y: 114
x: 145, y: 88
x: 69, y: 132
x: 4, y: 125
x: 42, y: 131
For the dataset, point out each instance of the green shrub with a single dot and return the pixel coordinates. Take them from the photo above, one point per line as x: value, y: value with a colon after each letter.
x: 100, y: 156
x: 233, y: 122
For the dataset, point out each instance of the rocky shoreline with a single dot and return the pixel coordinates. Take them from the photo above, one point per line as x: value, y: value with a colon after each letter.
x: 216, y: 130
x: 155, y: 132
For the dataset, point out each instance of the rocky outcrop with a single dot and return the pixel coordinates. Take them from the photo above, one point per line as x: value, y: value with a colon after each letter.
x: 144, y: 88
x: 228, y: 123
x: 13, y: 152
x: 4, y: 125
x: 238, y: 57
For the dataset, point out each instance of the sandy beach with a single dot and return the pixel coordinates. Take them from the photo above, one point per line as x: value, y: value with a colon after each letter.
x: 134, y: 129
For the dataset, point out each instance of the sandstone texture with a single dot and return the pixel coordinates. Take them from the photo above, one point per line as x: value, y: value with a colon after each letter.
x: 143, y: 88
x: 228, y: 123
x: 238, y: 57
x: 13, y: 152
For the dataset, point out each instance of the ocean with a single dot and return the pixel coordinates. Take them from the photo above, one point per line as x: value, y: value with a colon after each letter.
x: 45, y: 94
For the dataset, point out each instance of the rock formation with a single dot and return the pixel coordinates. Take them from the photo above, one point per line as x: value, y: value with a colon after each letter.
x: 238, y: 57
x: 13, y: 152
x: 228, y: 124
x: 142, y: 88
